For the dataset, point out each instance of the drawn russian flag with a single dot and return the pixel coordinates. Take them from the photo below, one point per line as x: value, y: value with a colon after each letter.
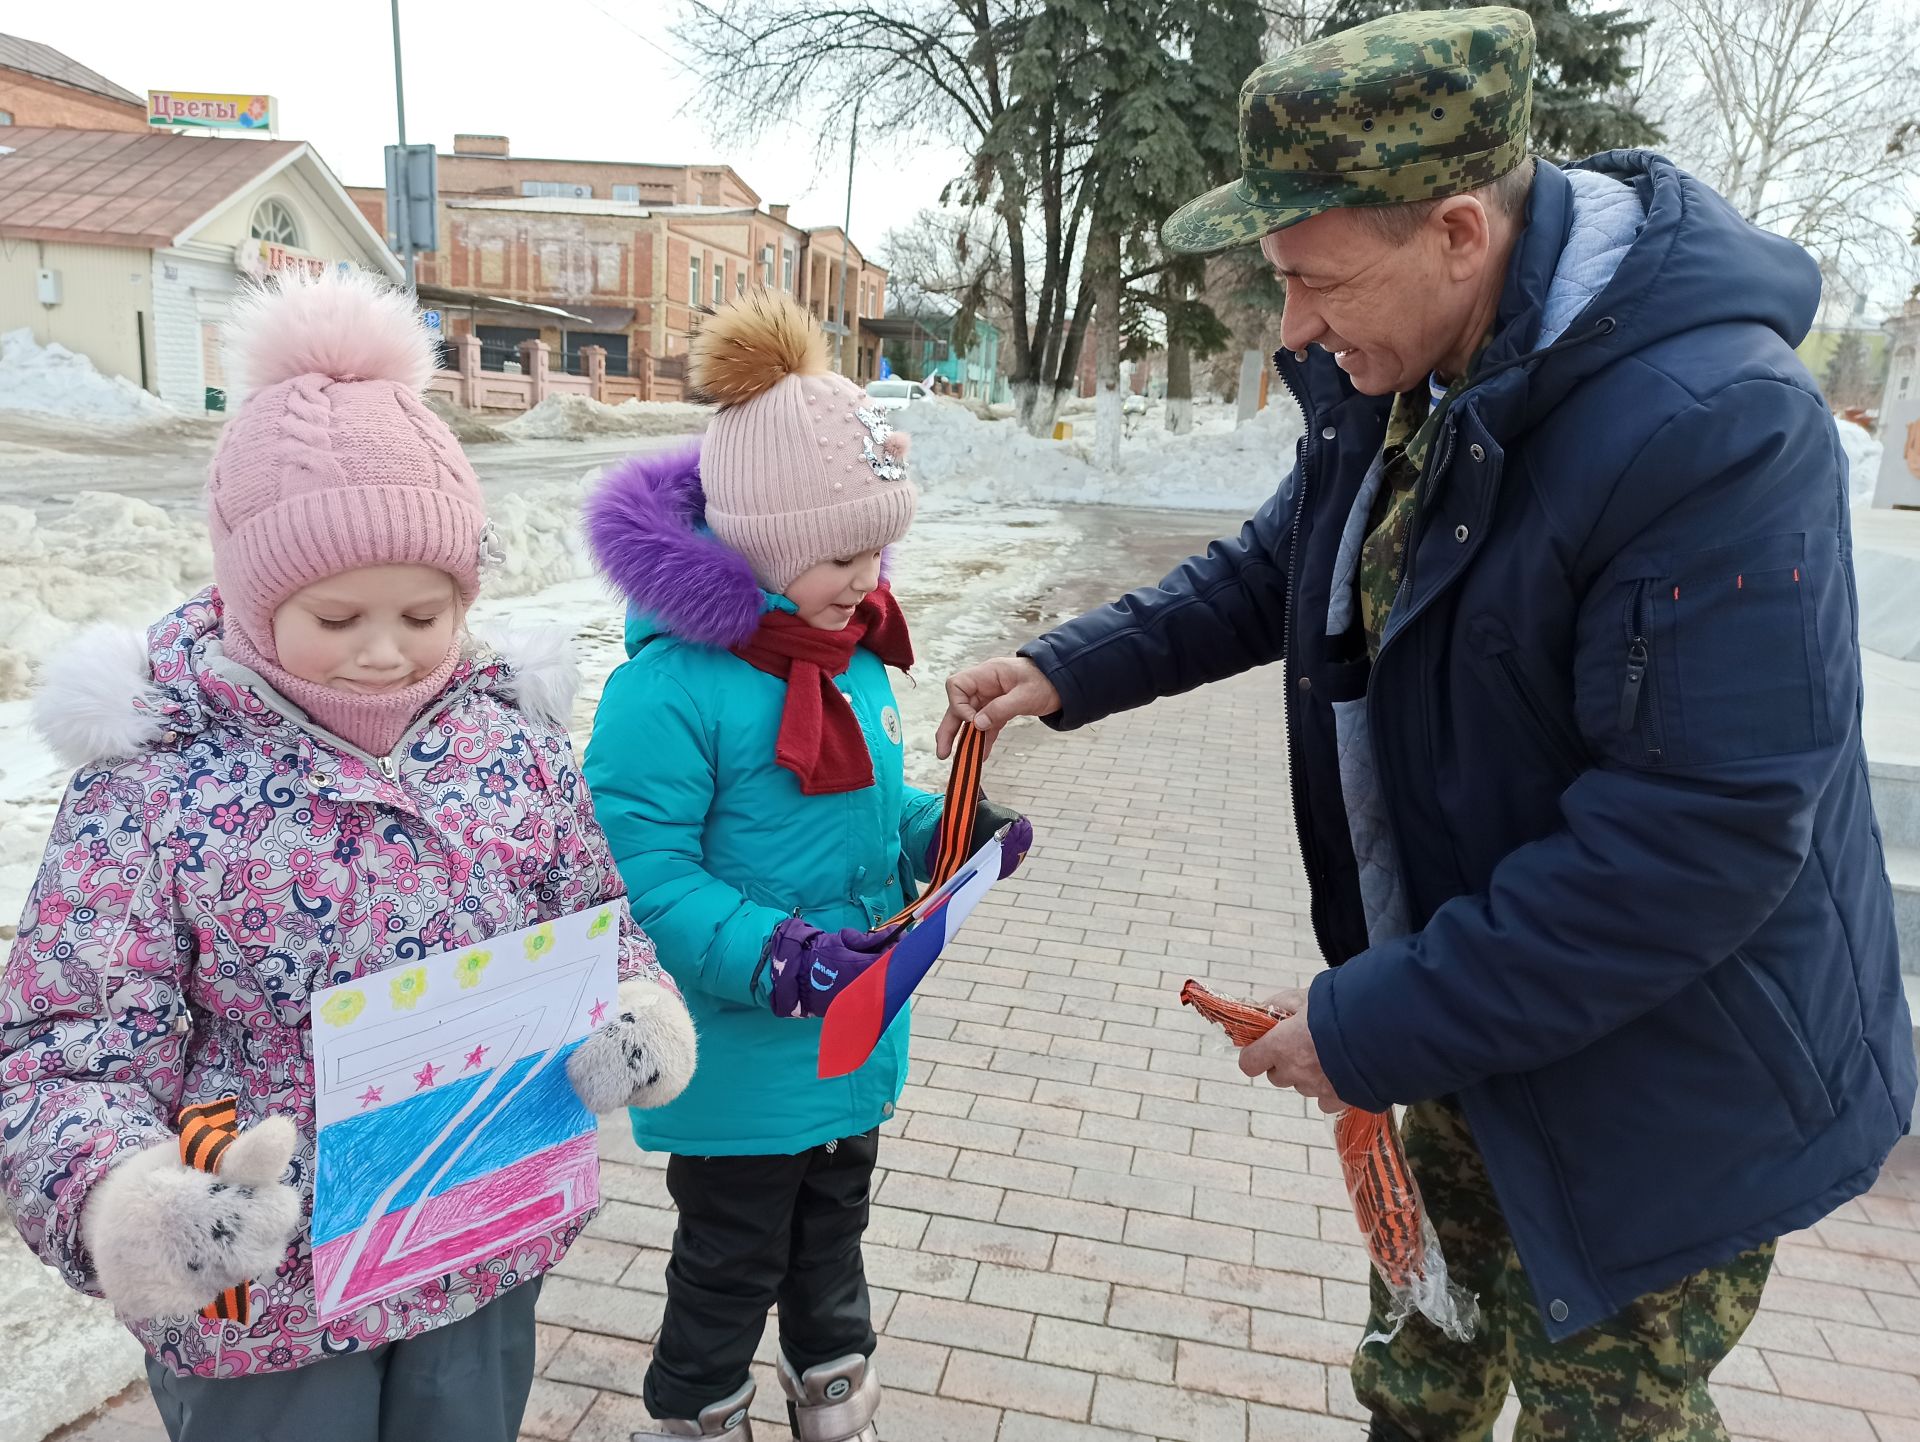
x: 519, y: 1162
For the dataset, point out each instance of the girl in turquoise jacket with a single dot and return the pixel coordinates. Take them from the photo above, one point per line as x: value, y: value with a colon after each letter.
x: 746, y: 765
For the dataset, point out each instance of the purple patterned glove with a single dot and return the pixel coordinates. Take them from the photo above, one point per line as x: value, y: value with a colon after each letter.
x: 811, y: 967
x: 986, y: 822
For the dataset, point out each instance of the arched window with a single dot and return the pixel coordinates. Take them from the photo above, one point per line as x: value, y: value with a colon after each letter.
x: 273, y: 220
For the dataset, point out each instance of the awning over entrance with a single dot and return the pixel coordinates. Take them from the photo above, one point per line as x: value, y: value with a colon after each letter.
x: 475, y: 303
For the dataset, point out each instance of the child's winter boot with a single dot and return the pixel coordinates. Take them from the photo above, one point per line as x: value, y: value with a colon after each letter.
x: 723, y: 1421
x: 833, y: 1402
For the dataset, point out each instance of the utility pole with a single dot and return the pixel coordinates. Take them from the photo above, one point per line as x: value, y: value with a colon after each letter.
x: 846, y: 241
x: 403, y: 228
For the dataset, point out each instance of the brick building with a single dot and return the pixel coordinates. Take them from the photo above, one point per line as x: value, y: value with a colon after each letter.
x: 638, y: 251
x: 42, y: 88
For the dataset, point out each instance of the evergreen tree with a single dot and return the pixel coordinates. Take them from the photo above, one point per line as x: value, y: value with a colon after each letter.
x: 1847, y: 382
x: 1580, y: 69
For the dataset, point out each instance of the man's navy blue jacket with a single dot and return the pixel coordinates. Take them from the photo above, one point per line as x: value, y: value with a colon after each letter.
x: 1616, y: 721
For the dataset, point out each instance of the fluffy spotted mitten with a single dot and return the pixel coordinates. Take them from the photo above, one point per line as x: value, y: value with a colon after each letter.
x: 644, y: 1057
x: 166, y: 1239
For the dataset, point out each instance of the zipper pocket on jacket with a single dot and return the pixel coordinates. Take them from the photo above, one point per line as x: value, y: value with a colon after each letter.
x: 1568, y: 752
x: 1634, y: 707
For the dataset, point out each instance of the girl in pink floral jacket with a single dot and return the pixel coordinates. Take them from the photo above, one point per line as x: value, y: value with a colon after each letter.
x: 304, y: 775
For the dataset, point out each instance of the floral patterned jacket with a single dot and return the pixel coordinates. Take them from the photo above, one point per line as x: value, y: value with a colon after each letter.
x: 195, y: 893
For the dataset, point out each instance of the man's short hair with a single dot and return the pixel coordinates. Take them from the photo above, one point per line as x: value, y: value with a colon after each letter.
x: 1397, y: 223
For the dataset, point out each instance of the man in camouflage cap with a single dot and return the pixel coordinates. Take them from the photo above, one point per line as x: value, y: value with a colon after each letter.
x: 1412, y: 107
x: 1560, y: 587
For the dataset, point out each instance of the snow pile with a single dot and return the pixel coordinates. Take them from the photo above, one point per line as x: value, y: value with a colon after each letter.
x: 567, y: 416
x: 468, y: 427
x: 52, y: 380
x: 539, y: 530
x: 957, y: 454
x: 1863, y: 461
x: 115, y: 559
x: 107, y: 558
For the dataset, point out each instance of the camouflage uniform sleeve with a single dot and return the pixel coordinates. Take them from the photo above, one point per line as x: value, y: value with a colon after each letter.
x: 93, y: 1009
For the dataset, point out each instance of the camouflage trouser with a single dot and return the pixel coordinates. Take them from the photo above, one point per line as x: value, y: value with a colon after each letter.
x: 1640, y: 1376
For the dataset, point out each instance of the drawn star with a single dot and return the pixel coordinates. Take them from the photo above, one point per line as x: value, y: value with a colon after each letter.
x: 424, y: 1077
x: 596, y: 1011
x: 475, y: 1058
x: 368, y: 1097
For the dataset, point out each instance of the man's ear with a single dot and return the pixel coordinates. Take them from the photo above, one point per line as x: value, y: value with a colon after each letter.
x: 1466, y: 235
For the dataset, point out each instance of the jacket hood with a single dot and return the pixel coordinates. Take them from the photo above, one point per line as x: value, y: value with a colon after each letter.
x: 646, y: 526
x: 116, y: 691
x: 1696, y: 262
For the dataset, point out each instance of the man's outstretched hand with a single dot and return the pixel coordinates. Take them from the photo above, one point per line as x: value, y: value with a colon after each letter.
x: 991, y: 694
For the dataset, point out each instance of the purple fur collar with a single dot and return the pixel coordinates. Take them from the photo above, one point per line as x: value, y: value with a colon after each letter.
x: 645, y: 524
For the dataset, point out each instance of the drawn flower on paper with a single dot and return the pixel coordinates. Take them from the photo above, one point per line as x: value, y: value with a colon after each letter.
x: 469, y: 967
x: 408, y: 987
x: 602, y: 924
x: 541, y: 942
x: 342, y: 1007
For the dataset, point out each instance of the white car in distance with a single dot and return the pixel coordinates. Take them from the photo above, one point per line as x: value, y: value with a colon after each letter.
x: 895, y: 394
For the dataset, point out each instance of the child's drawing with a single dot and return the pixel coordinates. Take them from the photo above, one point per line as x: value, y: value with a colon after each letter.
x: 447, y: 1128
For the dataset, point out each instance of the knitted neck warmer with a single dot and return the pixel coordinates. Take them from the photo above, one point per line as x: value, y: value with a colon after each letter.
x: 373, y: 723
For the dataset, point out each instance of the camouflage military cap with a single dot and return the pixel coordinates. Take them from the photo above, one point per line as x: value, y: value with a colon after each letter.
x: 1415, y: 106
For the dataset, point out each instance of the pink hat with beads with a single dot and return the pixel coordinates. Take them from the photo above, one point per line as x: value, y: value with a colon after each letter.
x: 799, y: 465
x: 333, y: 462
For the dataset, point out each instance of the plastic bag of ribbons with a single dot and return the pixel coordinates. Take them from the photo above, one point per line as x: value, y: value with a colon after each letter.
x: 1399, y: 1237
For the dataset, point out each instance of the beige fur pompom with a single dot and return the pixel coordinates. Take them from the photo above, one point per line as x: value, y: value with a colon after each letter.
x: 753, y: 343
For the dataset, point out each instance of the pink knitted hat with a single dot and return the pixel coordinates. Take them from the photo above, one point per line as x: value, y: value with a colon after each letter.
x: 333, y: 462
x: 799, y: 466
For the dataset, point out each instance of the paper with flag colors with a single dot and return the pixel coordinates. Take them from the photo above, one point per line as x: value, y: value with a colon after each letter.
x: 448, y: 1131
x: 861, y: 1014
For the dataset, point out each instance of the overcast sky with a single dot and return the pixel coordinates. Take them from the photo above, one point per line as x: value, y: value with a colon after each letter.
x: 571, y: 79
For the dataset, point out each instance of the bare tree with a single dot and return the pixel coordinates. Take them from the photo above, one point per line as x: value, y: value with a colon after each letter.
x: 1004, y: 78
x: 1804, y: 114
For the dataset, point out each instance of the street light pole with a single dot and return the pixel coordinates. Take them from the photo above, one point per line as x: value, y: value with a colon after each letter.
x: 846, y: 241
x: 404, y: 227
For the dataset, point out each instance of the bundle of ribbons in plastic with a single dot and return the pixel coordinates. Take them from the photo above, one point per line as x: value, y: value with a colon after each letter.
x: 1386, y: 1203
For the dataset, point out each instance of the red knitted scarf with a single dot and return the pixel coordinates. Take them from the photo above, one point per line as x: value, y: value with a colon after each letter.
x: 820, y: 740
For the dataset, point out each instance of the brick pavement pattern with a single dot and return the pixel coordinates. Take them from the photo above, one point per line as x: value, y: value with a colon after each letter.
x: 1088, y: 1227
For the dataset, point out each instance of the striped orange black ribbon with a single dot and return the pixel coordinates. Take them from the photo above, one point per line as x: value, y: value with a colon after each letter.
x: 962, y: 810
x: 206, y: 1131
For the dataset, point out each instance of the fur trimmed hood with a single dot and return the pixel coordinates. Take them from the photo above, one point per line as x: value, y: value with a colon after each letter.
x: 115, y: 691
x: 646, y: 525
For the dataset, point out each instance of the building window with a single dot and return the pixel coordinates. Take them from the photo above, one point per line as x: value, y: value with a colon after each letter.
x: 719, y: 281
x: 547, y: 189
x: 766, y: 266
x: 6, y: 117
x: 273, y: 220
x: 786, y: 269
x: 627, y: 194
x: 739, y: 282
x: 693, y: 281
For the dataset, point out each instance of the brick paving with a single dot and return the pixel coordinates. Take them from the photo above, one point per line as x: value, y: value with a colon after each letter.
x: 1088, y: 1227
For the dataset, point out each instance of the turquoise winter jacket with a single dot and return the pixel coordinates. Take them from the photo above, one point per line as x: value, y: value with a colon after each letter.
x: 717, y: 844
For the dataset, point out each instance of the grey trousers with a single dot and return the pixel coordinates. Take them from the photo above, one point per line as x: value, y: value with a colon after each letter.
x: 465, y: 1382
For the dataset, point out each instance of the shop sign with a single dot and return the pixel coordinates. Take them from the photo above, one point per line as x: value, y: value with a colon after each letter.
x: 200, y: 110
x: 269, y: 257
